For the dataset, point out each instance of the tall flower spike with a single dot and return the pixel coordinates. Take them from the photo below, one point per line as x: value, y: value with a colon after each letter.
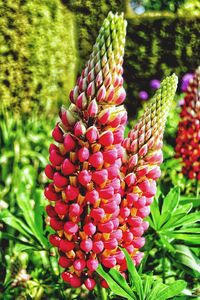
x: 188, y: 135
x: 85, y: 163
x: 141, y: 167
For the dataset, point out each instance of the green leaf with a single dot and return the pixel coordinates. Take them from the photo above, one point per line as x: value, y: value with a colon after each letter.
x: 135, y: 279
x: 190, y: 238
x: 187, y: 257
x: 171, y: 200
x: 16, y: 223
x: 155, y: 213
x: 173, y: 290
x: 188, y: 219
x: 113, y: 284
x: 116, y: 275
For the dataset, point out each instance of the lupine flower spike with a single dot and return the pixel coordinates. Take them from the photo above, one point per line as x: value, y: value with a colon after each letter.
x: 141, y: 168
x: 102, y: 184
x: 85, y: 164
x: 188, y: 136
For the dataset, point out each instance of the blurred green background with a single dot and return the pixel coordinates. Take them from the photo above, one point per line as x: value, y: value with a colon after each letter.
x: 43, y: 47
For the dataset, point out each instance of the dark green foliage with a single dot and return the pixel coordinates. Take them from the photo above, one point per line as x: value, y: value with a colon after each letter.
x: 157, y: 45
x: 37, y: 53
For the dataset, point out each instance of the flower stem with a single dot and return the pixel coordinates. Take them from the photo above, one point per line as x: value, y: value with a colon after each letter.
x: 163, y: 266
x: 101, y: 292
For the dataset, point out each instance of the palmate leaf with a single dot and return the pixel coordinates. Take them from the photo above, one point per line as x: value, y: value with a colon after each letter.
x: 113, y: 284
x: 173, y: 290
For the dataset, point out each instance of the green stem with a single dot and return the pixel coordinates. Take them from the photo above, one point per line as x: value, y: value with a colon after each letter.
x: 197, y: 192
x: 163, y: 266
x: 101, y: 292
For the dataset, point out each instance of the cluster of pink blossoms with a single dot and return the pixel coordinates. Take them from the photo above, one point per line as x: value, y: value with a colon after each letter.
x: 188, y: 136
x: 102, y: 184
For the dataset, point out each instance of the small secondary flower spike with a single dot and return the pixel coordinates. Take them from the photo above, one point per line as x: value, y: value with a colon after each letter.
x: 188, y: 136
x: 102, y: 184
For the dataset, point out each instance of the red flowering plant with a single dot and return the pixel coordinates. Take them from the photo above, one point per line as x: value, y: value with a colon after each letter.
x: 102, y: 184
x: 188, y: 135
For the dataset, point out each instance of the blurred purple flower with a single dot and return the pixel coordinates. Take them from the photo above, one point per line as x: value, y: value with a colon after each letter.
x: 181, y: 102
x: 143, y: 95
x: 185, y: 81
x: 155, y: 84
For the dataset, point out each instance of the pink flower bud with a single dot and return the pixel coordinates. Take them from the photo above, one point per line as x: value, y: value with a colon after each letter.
x: 70, y: 227
x: 100, y: 176
x: 98, y: 246
x: 50, y: 211
x: 59, y: 180
x: 138, y: 257
x: 96, y: 159
x: 130, y: 179
x: 133, y: 161
x: 145, y: 225
x: 92, y: 109
x: 90, y: 283
x: 108, y: 80
x: 92, y: 264
x: 141, y: 202
x: 142, y: 171
x: 79, y: 264
x: 110, y: 93
x: 69, y: 142
x: 127, y: 236
x: 124, y: 212
x: 117, y: 234
x: 113, y: 171
x: 83, y: 154
x: 53, y: 147
x: 143, y: 150
x: 106, y: 193
x: 110, y: 156
x: 54, y: 240
x: 82, y: 84
x: 109, y: 207
x: 101, y: 94
x: 120, y: 96
x: 111, y: 244
x: 106, y: 227
x: 81, y: 101
x: 61, y: 208
x: 129, y: 248
x: 99, y: 79
x: 75, y: 210
x: 155, y: 158
x: 115, y: 121
x: 67, y: 167
x: 109, y: 262
x: 139, y: 242
x: 79, y: 129
x: 97, y: 214
x: 71, y: 192
x: 118, y: 135
x: 143, y: 212
x: 66, y: 246
x: 154, y: 173
x: 89, y: 228
x: 67, y: 117
x: 92, y: 134
x: 92, y: 196
x: 56, y: 158
x: 74, y: 94
x: 64, y: 262
x: 104, y: 284
x: 84, y: 177
x: 104, y: 115
x: 131, y: 198
x: 57, y: 134
x: 49, y: 171
x: 75, y: 281
x: 137, y: 231
x: 86, y: 245
x: 91, y: 75
x: 66, y: 276
x: 91, y: 89
x: 148, y: 188
x: 56, y: 224
x: 120, y: 258
x: 134, y: 221
x: 50, y: 193
x: 106, y: 138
